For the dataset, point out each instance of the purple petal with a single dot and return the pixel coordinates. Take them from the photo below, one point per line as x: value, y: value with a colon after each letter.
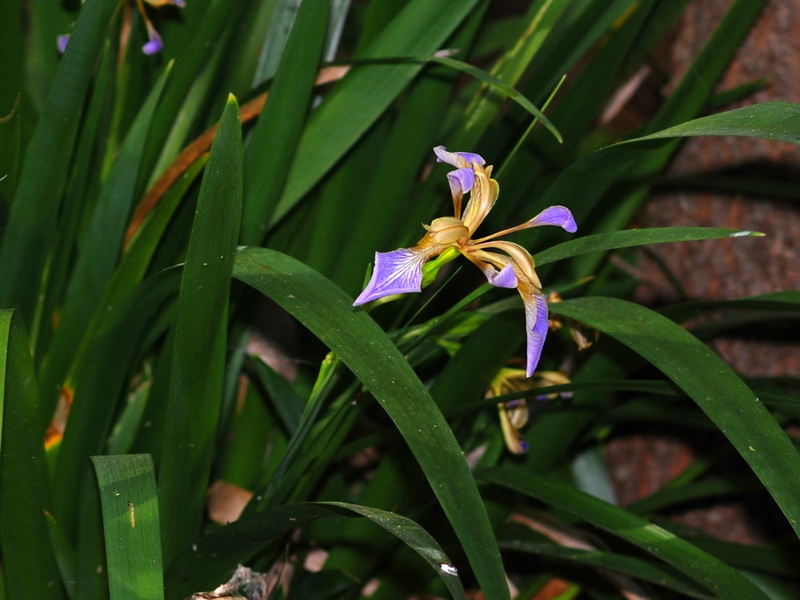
x: 560, y: 216
x: 504, y: 279
x: 160, y: 3
x: 461, y: 180
x: 61, y: 42
x: 536, y: 325
x: 154, y: 45
x: 458, y: 159
x: 397, y: 272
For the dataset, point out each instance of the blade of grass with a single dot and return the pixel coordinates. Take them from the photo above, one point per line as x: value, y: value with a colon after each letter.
x: 375, y: 360
x: 92, y: 581
x: 198, y: 358
x: 416, y: 538
x: 129, y: 501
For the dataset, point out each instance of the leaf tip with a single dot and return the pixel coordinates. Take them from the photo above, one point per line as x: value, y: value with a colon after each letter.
x: 747, y: 234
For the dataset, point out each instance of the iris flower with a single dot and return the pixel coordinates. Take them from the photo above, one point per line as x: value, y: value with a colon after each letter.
x: 514, y: 414
x: 400, y: 271
x: 154, y: 43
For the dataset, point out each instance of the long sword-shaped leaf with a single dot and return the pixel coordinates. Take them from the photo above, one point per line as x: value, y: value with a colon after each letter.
x: 95, y: 262
x: 602, y: 560
x: 274, y: 141
x: 198, y: 359
x: 100, y: 380
x: 358, y: 341
x: 29, y: 566
x: 710, y: 382
x: 220, y: 551
x: 687, y: 558
x: 602, y: 242
x: 33, y: 213
x: 769, y: 120
x: 129, y: 501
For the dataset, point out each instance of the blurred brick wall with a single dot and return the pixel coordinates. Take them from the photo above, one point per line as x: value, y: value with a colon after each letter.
x: 741, y: 267
x: 640, y: 464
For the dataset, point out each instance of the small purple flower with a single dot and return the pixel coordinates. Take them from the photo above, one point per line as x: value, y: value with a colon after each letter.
x: 400, y: 271
x: 154, y: 43
x: 61, y: 43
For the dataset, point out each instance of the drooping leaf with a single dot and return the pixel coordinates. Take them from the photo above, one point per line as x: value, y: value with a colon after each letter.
x: 218, y: 553
x: 355, y: 338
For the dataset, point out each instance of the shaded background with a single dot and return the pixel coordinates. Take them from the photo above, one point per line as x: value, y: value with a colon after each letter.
x: 722, y: 269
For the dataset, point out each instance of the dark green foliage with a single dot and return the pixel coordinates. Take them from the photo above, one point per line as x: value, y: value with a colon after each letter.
x: 177, y: 271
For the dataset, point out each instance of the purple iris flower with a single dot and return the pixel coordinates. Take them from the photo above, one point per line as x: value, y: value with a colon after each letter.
x: 400, y: 271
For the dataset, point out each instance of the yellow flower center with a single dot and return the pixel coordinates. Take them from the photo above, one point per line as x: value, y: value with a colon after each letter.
x: 447, y: 230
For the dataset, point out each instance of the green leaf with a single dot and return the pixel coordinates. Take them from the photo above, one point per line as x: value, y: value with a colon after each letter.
x: 29, y: 565
x: 768, y: 120
x: 376, y: 361
x: 607, y: 561
x: 99, y: 382
x: 602, y: 242
x: 787, y: 302
x: 415, y: 537
x: 218, y: 553
x: 32, y: 221
x: 129, y: 502
x: 499, y: 86
x: 710, y: 382
x: 198, y: 358
x: 96, y: 257
x: 274, y: 141
x: 690, y: 560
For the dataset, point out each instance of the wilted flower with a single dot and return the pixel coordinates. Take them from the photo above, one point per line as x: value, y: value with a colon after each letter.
x: 154, y: 43
x: 576, y: 330
x: 514, y: 414
x: 400, y: 271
